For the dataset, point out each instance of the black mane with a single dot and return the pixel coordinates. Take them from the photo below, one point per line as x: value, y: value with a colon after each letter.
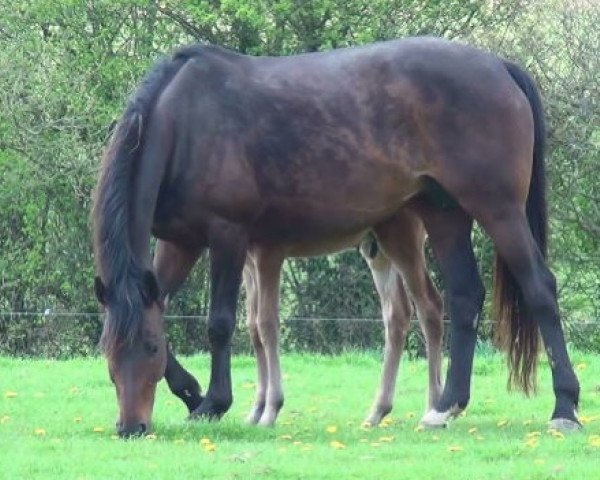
x: 121, y: 275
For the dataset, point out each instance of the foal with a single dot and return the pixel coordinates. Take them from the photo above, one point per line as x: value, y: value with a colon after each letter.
x: 402, y: 254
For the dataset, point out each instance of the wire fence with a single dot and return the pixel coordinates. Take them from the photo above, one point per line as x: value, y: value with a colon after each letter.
x: 67, y: 334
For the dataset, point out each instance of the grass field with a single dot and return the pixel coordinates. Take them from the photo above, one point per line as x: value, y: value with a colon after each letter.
x: 57, y: 421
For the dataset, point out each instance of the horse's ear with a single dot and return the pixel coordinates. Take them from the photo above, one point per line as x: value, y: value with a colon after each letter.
x: 150, y: 292
x: 100, y: 290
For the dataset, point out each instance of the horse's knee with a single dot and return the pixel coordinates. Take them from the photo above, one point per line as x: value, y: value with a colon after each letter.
x: 220, y: 331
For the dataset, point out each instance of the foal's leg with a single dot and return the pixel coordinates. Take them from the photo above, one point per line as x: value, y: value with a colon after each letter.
x: 396, y: 311
x: 172, y: 264
x: 402, y: 239
x: 516, y: 246
x: 228, y: 245
x: 268, y: 268
x: 450, y: 239
x: 250, y: 275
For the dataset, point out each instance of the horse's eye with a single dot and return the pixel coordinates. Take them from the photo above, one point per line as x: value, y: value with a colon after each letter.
x: 150, y: 348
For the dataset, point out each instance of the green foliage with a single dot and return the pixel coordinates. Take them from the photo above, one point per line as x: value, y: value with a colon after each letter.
x: 67, y: 67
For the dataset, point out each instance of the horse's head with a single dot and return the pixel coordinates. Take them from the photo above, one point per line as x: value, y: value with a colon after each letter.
x: 136, y: 351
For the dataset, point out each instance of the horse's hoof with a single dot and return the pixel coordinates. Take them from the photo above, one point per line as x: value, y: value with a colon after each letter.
x: 435, y: 419
x: 254, y: 416
x: 267, y: 419
x: 208, y: 411
x: 564, y: 425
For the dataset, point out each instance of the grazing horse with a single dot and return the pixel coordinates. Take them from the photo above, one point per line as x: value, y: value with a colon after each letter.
x: 230, y: 152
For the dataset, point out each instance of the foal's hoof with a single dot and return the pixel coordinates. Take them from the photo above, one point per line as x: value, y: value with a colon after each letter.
x: 435, y: 419
x: 564, y: 425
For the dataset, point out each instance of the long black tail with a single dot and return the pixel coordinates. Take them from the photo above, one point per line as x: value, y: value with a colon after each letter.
x: 121, y: 276
x: 517, y: 332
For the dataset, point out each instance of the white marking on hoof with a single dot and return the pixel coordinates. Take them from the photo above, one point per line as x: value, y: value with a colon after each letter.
x: 268, y: 418
x: 435, y: 419
x: 564, y: 425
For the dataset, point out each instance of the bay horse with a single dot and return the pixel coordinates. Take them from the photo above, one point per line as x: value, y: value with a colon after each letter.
x: 261, y: 280
x: 231, y: 152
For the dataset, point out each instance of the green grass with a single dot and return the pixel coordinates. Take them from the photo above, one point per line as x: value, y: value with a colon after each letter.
x: 70, y: 399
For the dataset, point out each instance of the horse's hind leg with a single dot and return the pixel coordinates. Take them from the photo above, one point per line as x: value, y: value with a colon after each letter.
x: 250, y: 275
x: 396, y: 311
x: 402, y: 239
x: 516, y: 246
x: 172, y: 264
x: 450, y: 239
x: 268, y: 268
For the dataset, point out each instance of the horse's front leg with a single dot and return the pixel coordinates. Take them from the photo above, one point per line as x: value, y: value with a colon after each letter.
x: 182, y: 383
x: 228, y: 245
x: 172, y: 264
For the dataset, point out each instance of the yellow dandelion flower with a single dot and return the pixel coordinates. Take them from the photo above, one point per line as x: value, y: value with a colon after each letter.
x: 435, y: 438
x: 285, y: 422
x: 455, y: 448
x: 285, y: 437
x: 387, y: 439
x: 527, y: 422
x: 151, y: 436
x: 4, y: 419
x: 248, y: 385
x: 205, y: 441
x: 533, y: 434
x: 502, y: 423
x: 10, y: 394
x: 331, y: 429
x: 363, y: 440
x: 169, y: 402
x: 337, y: 445
x: 472, y: 430
x: 297, y: 443
x: 306, y: 448
x: 594, y: 440
x: 419, y: 428
x: 375, y: 444
x: 387, y: 421
x: 114, y: 437
x: 463, y: 413
x: 558, y: 435
x: 410, y: 415
x: 98, y: 429
x: 179, y: 441
x: 366, y: 426
x: 40, y: 432
x: 532, y: 442
x: 581, y: 366
x: 211, y: 447
x: 77, y: 419
x: 479, y: 438
x: 73, y: 390
x: 489, y: 401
